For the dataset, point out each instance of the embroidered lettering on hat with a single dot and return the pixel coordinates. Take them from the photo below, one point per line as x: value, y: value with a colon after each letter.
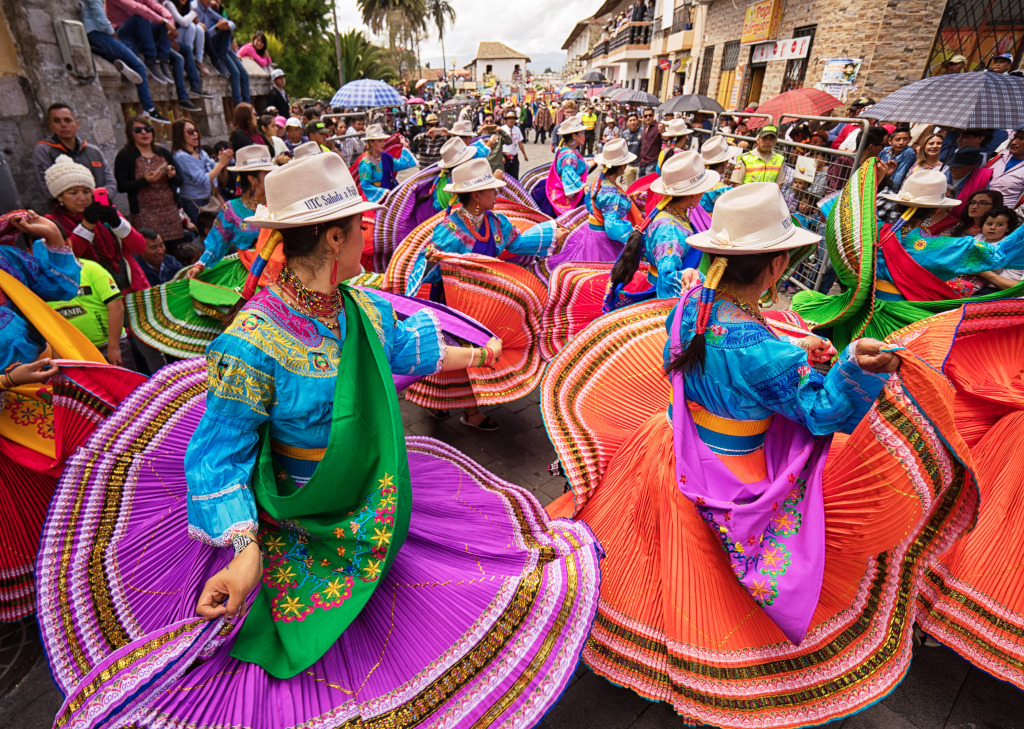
x: 698, y: 178
x: 254, y: 161
x: 326, y: 199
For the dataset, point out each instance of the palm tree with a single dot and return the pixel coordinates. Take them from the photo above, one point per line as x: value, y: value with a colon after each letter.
x: 363, y: 59
x: 403, y: 19
x: 443, y: 14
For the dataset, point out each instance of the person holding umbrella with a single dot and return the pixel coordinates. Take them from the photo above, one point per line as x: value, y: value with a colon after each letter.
x: 763, y: 164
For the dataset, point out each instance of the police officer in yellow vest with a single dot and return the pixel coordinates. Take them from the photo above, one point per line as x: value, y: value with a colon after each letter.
x: 763, y: 163
x: 589, y: 131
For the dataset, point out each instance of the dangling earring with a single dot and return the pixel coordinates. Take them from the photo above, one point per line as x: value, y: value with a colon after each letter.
x: 334, y: 273
x: 775, y: 293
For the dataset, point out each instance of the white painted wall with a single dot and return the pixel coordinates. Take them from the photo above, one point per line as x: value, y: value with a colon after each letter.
x: 502, y: 68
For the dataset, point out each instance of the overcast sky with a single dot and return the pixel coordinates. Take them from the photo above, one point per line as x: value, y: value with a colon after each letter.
x: 533, y: 27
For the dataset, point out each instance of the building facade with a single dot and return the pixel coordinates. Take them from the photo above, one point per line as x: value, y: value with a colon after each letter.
x: 497, y: 63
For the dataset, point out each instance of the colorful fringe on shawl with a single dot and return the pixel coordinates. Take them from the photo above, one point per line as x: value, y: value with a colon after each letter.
x: 508, y: 595
x: 850, y: 235
x: 507, y: 300
x: 674, y: 624
x: 972, y: 598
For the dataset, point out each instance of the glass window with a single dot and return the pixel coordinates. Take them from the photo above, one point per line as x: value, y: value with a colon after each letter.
x: 796, y: 68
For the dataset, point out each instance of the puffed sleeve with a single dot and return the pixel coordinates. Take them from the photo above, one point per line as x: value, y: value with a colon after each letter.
x: 52, y: 273
x: 218, y: 240
x: 537, y: 240
x: 572, y: 180
x: 222, y: 453
x: 413, y: 346
x: 664, y: 253
x: 405, y: 161
x: 785, y: 383
x: 615, y: 208
x: 947, y: 257
x: 371, y: 188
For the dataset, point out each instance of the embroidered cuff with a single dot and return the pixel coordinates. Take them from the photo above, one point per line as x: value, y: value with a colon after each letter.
x: 82, y: 232
x: 223, y: 540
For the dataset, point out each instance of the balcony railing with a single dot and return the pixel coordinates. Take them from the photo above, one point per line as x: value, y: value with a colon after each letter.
x: 631, y: 34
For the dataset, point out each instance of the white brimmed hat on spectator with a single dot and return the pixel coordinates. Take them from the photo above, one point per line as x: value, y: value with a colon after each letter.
x: 375, y: 131
x: 715, y: 151
x: 923, y: 189
x: 615, y: 153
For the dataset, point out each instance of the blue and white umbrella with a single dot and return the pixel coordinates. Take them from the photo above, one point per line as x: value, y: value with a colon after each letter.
x: 366, y: 92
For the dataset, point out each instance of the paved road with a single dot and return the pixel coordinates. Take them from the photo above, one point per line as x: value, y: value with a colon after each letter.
x: 941, y: 691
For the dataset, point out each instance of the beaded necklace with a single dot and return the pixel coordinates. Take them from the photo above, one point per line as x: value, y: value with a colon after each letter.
x: 474, y: 224
x: 744, y: 307
x: 314, y: 304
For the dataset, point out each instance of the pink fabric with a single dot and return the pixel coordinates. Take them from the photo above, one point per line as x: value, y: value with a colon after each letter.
x: 249, y: 51
x: 118, y: 11
x: 556, y: 191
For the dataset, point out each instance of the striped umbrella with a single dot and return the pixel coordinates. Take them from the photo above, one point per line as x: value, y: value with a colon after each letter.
x: 807, y: 101
x: 366, y: 92
x: 978, y: 100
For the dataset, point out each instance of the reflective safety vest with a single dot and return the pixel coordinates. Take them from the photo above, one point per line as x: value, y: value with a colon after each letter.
x: 756, y: 169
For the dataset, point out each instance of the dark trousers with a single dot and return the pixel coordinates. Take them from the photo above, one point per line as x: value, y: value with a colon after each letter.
x: 149, y: 39
x: 540, y: 136
x: 588, y: 144
x: 512, y: 165
x: 218, y: 47
x: 110, y: 48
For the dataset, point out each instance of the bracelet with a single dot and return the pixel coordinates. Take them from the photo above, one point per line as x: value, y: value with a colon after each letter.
x: 482, y: 357
x: 6, y: 383
x: 491, y: 357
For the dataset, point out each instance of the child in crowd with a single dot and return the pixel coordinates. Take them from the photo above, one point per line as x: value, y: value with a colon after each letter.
x: 996, y: 225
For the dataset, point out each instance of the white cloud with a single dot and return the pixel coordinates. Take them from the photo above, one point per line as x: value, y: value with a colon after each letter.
x: 531, y: 26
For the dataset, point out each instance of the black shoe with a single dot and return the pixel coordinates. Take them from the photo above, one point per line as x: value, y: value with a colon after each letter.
x: 153, y: 69
x: 188, y: 105
x: 156, y: 116
x: 202, y: 93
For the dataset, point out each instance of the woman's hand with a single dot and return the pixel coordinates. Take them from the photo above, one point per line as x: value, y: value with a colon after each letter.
x: 36, y: 226
x: 494, y: 347
x: 560, y: 235
x: 171, y: 172
x: 690, y: 278
x: 224, y: 592
x: 282, y: 158
x: 818, y: 349
x: 194, y: 270
x: 871, y: 358
x: 154, y: 176
x: 225, y: 156
x: 32, y: 373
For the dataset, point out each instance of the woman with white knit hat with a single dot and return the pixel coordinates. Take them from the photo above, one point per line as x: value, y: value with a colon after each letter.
x: 95, y: 230
x: 567, y: 177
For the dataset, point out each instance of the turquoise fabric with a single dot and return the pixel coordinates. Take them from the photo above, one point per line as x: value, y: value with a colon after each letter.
x: 750, y: 374
x: 274, y: 365
x: 614, y: 206
x: 707, y: 200
x: 666, y: 251
x: 229, y: 231
x: 572, y: 169
x: 371, y: 175
x: 52, y: 274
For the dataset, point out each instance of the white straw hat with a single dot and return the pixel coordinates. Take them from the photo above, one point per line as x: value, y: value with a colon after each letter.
x: 923, y: 189
x: 454, y: 152
x: 676, y: 128
x: 65, y: 173
x: 253, y: 158
x: 293, y: 121
x: 684, y: 174
x: 473, y: 175
x: 375, y: 131
x: 571, y: 125
x: 463, y: 128
x: 314, y: 189
x: 749, y: 219
x: 305, y: 150
x: 616, y: 152
x: 715, y: 150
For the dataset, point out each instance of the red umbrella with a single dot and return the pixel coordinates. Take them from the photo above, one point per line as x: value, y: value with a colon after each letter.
x: 810, y: 102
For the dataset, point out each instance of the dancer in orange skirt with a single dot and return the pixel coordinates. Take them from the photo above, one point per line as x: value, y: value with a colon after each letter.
x: 972, y: 598
x: 760, y: 570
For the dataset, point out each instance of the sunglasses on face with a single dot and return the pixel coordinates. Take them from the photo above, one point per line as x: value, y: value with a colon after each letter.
x: 190, y: 131
x: 142, y: 130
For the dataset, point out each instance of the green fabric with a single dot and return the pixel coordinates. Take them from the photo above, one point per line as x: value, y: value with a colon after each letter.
x: 88, y: 311
x: 212, y: 294
x: 850, y: 237
x: 328, y: 544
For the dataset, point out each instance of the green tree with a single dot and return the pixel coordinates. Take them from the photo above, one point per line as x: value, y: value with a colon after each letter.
x: 404, y: 21
x: 362, y: 59
x: 442, y: 14
x: 298, y: 27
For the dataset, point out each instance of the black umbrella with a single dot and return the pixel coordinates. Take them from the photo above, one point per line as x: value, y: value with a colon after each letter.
x: 690, y: 102
x: 641, y: 98
x: 594, y: 77
x: 976, y: 100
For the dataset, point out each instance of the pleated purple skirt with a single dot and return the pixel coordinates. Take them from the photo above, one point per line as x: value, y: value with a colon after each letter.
x: 480, y: 621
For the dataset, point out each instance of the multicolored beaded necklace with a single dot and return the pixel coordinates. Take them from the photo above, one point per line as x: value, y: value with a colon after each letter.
x: 314, y: 304
x: 474, y: 224
x: 744, y: 307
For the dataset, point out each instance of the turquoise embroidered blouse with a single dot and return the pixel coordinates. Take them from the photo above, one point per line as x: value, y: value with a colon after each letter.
x: 572, y: 169
x: 275, y: 365
x: 750, y: 374
x: 52, y: 274
x: 614, y: 208
x: 707, y: 200
x: 371, y: 174
x: 229, y: 229
x: 667, y: 254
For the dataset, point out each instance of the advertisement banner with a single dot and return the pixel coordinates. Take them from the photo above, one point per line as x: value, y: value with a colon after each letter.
x: 761, y: 22
x: 783, y: 50
x: 737, y: 84
x: 840, y: 71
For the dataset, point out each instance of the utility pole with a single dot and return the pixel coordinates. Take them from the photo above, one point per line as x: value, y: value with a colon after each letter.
x: 337, y: 44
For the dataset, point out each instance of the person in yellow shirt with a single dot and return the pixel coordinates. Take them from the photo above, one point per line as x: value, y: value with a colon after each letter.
x: 763, y: 164
x: 589, y: 129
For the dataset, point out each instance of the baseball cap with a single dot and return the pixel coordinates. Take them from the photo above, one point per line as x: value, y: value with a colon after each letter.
x: 314, y: 127
x: 1004, y: 57
x: 276, y: 73
x: 768, y: 130
x: 293, y: 122
x: 957, y: 59
x: 864, y: 101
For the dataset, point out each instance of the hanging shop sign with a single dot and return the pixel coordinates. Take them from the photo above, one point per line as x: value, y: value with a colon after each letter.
x: 761, y: 22
x: 783, y: 50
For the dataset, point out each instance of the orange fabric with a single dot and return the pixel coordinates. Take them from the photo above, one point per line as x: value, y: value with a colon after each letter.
x: 273, y: 269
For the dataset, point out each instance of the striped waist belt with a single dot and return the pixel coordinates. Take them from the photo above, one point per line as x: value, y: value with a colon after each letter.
x: 300, y: 463
x: 728, y: 437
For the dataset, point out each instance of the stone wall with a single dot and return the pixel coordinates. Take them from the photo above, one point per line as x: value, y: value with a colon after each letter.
x: 893, y: 37
x: 101, y: 103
